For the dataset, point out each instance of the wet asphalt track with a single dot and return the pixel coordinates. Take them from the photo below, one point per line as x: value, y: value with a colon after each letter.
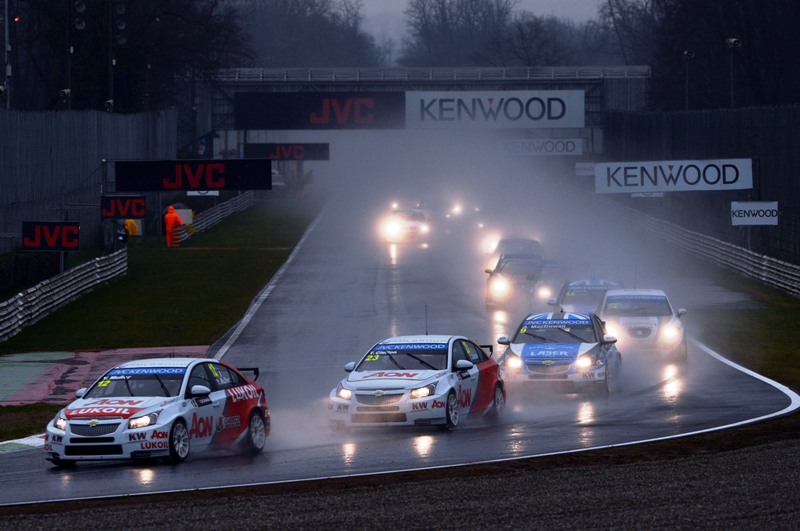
x: 344, y: 289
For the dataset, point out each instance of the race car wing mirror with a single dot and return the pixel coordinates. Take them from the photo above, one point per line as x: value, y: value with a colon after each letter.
x: 681, y: 312
x: 350, y: 366
x: 200, y: 390
x: 464, y: 365
x: 503, y: 340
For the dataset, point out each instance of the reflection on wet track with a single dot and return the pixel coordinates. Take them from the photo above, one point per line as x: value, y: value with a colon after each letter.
x: 343, y: 293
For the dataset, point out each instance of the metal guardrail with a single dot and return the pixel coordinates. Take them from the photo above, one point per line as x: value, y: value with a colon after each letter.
x: 305, y: 75
x: 765, y: 269
x: 32, y: 305
x: 44, y: 298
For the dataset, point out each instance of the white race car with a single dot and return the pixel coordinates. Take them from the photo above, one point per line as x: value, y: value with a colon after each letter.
x: 161, y: 408
x: 644, y: 321
x: 418, y: 381
x: 405, y: 226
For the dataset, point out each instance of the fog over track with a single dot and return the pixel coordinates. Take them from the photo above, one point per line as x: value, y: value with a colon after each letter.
x: 345, y: 289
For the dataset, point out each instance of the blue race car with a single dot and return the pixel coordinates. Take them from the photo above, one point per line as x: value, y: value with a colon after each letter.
x: 571, y: 350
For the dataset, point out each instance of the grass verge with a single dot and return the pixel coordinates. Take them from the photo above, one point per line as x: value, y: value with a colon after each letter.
x: 186, y: 296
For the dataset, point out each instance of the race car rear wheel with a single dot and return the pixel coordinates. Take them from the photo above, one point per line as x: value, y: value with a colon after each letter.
x: 451, y: 412
x: 256, y: 433
x: 178, y: 441
x: 498, y: 404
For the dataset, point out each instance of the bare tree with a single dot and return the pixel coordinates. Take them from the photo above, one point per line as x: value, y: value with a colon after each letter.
x: 310, y: 33
x: 133, y: 49
x: 454, y: 32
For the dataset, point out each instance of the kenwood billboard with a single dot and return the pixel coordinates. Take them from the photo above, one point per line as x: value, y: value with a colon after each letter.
x: 673, y: 176
x: 500, y: 109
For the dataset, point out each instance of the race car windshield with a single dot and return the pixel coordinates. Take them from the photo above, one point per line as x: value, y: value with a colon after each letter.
x: 555, y: 332
x: 403, y: 359
x: 122, y: 382
x: 517, y: 268
x: 637, y: 307
x: 411, y: 216
x: 583, y: 298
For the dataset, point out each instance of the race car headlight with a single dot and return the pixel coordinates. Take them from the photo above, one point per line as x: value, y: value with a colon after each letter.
x: 584, y: 362
x: 612, y: 330
x: 422, y: 392
x: 143, y: 421
x: 544, y: 292
x: 60, y: 421
x: 391, y: 229
x: 425, y: 229
x: 513, y: 362
x: 670, y: 333
x: 499, y: 287
x: 344, y: 393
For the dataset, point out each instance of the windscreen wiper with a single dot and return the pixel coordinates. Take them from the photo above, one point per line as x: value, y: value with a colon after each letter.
x: 422, y: 361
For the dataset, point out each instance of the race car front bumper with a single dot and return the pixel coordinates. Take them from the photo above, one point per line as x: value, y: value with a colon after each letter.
x: 84, y: 441
x: 365, y: 409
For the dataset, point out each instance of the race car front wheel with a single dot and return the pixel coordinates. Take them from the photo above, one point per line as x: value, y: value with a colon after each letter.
x: 178, y: 441
x: 451, y: 412
x: 256, y: 433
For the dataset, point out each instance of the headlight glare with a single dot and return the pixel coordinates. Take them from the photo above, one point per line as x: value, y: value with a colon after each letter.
x: 344, y: 393
x: 544, y: 292
x: 612, y: 330
x: 499, y: 287
x: 670, y: 333
x: 584, y: 362
x: 513, y: 362
x: 143, y: 421
x: 422, y: 392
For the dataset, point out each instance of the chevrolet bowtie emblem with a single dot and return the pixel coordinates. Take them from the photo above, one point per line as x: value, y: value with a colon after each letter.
x: 378, y: 392
x: 94, y: 422
x: 548, y: 362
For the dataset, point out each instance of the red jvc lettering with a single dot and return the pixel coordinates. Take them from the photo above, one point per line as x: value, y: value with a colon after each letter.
x: 357, y: 110
x: 53, y: 236
x: 204, y: 176
x: 124, y: 208
x: 284, y: 152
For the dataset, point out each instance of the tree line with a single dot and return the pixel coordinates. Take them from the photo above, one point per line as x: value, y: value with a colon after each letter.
x: 131, y: 55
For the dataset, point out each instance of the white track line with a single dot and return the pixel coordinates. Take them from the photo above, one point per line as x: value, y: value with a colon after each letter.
x: 262, y: 296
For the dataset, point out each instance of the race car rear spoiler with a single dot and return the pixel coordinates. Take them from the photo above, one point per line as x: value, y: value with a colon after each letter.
x: 490, y: 348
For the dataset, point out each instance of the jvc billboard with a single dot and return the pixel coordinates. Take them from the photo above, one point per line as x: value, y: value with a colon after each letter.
x: 498, y: 109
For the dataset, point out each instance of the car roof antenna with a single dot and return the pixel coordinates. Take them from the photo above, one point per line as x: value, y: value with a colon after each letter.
x: 426, y: 319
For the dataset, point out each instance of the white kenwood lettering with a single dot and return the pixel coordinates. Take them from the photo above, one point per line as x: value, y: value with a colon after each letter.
x: 673, y: 176
x: 495, y: 109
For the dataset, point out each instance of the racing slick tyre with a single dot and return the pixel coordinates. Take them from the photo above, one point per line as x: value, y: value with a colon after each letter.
x: 612, y: 384
x: 498, y: 404
x: 256, y: 433
x: 178, y: 442
x: 451, y: 412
